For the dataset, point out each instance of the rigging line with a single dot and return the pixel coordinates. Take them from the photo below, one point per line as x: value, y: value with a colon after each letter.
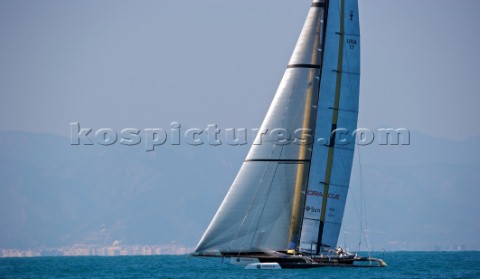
x: 355, y: 206
x: 364, y: 221
x: 256, y: 193
x: 363, y: 190
x: 364, y: 209
x: 361, y: 198
x: 248, y: 211
x: 258, y: 190
x: 263, y: 208
x: 363, y: 203
x: 254, y: 198
x: 269, y: 188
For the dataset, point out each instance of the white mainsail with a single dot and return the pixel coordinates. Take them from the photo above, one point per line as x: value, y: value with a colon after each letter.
x: 280, y: 197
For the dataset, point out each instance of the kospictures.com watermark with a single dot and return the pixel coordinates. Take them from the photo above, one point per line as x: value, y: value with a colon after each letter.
x: 213, y: 135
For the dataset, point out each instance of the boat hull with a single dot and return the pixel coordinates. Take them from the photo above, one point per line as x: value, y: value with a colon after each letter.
x: 303, y: 262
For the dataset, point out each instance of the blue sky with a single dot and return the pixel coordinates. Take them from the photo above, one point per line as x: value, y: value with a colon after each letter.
x: 124, y: 64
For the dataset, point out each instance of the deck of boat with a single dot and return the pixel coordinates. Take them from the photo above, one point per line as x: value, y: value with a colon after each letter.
x: 289, y: 261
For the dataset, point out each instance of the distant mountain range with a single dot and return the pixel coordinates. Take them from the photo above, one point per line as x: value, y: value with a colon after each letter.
x: 53, y: 194
x: 417, y: 197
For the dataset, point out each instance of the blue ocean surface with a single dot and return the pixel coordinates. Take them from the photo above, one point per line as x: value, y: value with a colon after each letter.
x: 400, y: 265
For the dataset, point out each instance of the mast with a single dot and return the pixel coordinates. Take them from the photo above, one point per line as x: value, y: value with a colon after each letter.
x: 313, y: 60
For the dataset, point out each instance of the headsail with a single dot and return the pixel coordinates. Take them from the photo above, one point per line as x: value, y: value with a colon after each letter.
x: 265, y: 208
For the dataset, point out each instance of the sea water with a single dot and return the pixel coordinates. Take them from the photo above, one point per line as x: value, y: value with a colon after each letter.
x: 400, y: 265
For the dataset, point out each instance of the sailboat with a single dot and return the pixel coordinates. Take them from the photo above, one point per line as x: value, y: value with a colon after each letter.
x: 285, y: 207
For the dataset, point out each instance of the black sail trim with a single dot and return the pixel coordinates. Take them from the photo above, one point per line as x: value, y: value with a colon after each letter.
x: 280, y: 160
x: 307, y: 66
x: 319, y: 5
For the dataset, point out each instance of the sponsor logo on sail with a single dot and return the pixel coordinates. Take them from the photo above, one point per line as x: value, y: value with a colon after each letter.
x: 312, y: 209
x: 320, y: 194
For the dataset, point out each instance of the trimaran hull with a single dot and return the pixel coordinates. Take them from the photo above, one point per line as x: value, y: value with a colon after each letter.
x: 287, y: 261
